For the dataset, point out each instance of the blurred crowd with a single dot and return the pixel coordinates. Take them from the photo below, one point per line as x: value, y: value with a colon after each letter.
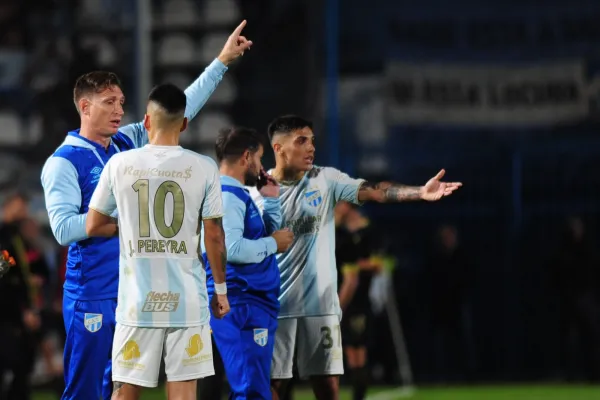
x: 31, y: 327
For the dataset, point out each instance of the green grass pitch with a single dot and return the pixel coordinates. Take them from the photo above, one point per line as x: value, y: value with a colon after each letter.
x: 524, y: 392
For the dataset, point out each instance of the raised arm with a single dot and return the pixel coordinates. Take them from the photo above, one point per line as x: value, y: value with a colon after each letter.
x: 388, y: 192
x: 63, y: 200
x: 203, y: 87
x: 239, y: 249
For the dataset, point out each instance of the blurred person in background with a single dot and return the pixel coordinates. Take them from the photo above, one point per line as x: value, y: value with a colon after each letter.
x: 356, y: 254
x: 19, y: 319
x: 575, y: 276
x: 51, y: 320
x: 450, y: 277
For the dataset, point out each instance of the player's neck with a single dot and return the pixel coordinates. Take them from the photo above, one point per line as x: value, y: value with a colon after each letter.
x: 163, y: 139
x: 92, y: 136
x: 231, y: 172
x: 286, y: 174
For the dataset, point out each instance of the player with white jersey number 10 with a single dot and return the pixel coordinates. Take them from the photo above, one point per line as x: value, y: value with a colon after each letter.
x: 162, y: 192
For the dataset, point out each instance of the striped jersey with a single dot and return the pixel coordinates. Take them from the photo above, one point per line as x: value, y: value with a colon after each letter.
x: 308, y: 268
x: 161, y: 194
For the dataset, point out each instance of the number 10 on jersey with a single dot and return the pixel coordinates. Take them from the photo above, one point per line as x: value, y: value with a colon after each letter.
x: 159, y: 213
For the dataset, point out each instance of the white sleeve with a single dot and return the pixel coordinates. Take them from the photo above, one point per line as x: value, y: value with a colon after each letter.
x: 212, y: 206
x: 344, y: 187
x: 257, y: 198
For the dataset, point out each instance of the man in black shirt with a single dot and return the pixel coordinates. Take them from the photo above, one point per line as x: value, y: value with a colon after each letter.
x: 18, y: 318
x: 356, y: 252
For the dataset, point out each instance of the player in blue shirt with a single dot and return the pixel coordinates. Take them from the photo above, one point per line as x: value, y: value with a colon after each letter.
x: 69, y: 178
x: 245, y: 336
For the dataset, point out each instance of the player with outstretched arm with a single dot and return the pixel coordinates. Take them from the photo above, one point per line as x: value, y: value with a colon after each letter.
x: 310, y: 312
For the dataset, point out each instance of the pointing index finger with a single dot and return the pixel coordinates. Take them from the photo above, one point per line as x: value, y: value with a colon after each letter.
x: 239, y: 29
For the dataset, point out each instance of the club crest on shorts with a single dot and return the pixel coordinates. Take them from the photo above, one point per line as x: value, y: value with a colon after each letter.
x: 313, y: 197
x: 92, y: 322
x: 261, y: 336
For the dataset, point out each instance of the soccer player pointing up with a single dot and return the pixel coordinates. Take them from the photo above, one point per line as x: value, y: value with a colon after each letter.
x: 69, y: 178
x: 310, y: 313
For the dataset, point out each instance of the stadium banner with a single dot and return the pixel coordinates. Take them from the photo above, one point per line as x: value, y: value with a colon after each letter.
x: 488, y: 94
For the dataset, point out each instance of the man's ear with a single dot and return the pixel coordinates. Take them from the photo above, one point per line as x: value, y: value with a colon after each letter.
x: 276, y: 147
x: 184, y: 125
x: 147, y: 122
x: 84, y: 106
x: 246, y: 156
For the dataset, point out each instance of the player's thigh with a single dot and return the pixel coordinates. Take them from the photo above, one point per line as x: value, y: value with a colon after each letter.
x: 320, y: 346
x: 282, y: 363
x: 188, y: 353
x: 227, y: 333
x: 90, y: 328
x: 136, y: 355
x: 257, y: 341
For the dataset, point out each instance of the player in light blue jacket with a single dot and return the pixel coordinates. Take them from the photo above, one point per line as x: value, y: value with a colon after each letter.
x: 69, y: 178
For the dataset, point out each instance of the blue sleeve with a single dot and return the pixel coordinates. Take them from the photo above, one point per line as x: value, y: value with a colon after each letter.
x: 239, y: 249
x: 197, y: 95
x: 272, y: 214
x: 63, y: 200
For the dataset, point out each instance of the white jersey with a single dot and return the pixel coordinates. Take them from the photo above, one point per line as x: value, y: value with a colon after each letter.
x: 308, y: 268
x: 161, y: 193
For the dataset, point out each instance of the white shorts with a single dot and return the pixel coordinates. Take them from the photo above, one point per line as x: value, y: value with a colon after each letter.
x: 319, y: 342
x: 137, y: 354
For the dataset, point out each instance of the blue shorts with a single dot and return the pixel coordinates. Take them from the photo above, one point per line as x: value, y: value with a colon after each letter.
x: 90, y: 327
x: 245, y: 339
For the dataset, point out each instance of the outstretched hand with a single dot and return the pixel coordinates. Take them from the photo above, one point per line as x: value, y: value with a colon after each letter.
x: 235, y: 46
x: 435, y: 189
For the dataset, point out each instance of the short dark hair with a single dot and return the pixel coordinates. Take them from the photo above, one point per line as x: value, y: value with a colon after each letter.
x: 233, y: 142
x: 94, y: 82
x: 169, y: 97
x: 287, y: 124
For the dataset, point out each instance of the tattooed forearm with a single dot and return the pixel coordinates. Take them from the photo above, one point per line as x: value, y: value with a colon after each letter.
x: 387, y: 192
x: 402, y: 193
